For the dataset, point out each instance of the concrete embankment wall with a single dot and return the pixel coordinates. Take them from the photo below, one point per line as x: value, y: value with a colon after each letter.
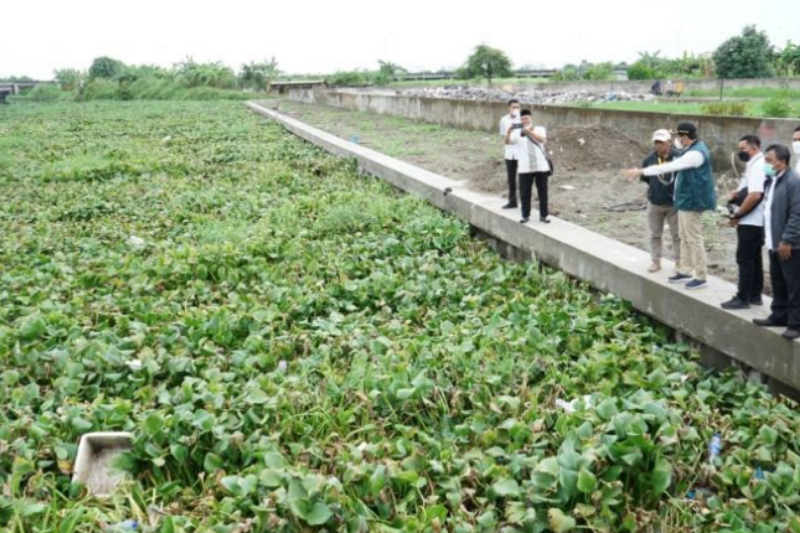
x: 635, y: 86
x: 608, y: 265
x: 720, y: 133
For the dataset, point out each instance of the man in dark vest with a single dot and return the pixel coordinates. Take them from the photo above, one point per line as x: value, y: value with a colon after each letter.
x: 695, y: 193
x: 782, y: 228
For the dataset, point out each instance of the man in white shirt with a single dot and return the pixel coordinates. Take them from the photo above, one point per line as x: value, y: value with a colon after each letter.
x: 748, y: 219
x: 796, y: 147
x: 782, y: 228
x: 534, y: 168
x: 510, y: 125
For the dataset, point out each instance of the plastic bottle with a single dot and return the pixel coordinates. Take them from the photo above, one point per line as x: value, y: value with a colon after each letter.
x: 123, y: 527
x: 714, y: 448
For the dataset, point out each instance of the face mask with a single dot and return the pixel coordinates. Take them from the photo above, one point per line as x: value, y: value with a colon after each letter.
x: 743, y: 156
x: 796, y: 147
x: 769, y: 170
x: 514, y: 114
x: 678, y: 144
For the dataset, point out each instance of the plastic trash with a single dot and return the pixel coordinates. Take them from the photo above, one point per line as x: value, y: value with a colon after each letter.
x: 355, y: 139
x: 714, y: 448
x: 134, y: 364
x: 568, y: 407
x: 282, y: 366
x: 135, y: 242
x: 127, y: 525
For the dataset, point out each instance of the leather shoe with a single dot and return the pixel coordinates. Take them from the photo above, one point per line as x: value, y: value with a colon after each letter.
x: 767, y: 323
x: 791, y: 334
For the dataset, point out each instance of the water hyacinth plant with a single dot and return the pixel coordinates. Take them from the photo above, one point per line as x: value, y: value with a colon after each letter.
x: 319, y: 353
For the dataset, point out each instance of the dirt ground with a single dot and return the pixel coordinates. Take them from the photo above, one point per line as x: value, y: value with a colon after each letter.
x: 587, y: 188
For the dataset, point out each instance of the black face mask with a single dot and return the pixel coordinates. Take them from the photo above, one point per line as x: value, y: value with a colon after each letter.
x: 744, y: 156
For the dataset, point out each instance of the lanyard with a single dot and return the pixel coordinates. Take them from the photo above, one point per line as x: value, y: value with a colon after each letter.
x: 671, y: 180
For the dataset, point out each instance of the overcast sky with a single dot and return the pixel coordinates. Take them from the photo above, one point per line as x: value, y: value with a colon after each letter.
x: 321, y: 36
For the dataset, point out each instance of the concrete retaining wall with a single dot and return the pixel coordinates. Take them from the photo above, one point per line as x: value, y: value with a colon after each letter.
x: 720, y: 133
x: 644, y: 86
x: 606, y: 264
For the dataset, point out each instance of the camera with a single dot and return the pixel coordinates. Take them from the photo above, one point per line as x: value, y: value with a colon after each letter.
x: 516, y: 126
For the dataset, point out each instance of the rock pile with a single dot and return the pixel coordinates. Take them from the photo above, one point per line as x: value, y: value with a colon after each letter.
x: 529, y: 97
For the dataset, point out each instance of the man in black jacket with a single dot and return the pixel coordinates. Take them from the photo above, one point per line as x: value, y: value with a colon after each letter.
x: 782, y: 227
x: 660, y: 193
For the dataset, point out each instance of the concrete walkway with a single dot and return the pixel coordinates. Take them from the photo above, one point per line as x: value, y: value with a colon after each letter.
x: 607, y: 265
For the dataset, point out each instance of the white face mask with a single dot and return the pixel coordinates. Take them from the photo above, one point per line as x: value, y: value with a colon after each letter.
x: 796, y: 147
x: 514, y: 114
x: 678, y: 144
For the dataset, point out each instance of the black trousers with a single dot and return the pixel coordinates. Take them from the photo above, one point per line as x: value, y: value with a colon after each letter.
x: 511, y: 172
x: 526, y: 182
x: 750, y: 260
x: 785, y: 277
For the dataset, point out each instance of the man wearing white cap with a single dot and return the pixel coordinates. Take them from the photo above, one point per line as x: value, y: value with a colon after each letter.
x: 661, y: 206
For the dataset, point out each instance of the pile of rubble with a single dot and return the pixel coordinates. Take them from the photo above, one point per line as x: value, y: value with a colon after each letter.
x: 529, y: 97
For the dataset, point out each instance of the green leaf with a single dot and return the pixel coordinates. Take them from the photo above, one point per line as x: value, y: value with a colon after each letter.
x: 506, y: 488
x: 768, y: 435
x: 662, y: 477
x: 274, y: 460
x: 405, y: 394
x: 271, y: 478
x: 607, y: 409
x: 559, y: 522
x: 179, y: 452
x: 81, y: 425
x: 257, y: 397
x: 587, y: 481
x: 33, y: 509
x: 320, y: 513
x: 231, y: 483
x: 212, y: 463
x: 152, y: 424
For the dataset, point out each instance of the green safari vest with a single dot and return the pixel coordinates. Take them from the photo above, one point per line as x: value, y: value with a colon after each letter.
x: 694, y: 188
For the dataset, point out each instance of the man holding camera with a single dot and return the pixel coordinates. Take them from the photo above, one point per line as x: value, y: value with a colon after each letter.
x: 747, y: 216
x: 510, y: 125
x: 534, y: 167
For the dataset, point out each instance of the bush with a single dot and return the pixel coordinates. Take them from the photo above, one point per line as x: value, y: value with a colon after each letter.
x: 737, y: 109
x: 777, y: 107
x: 46, y: 93
x: 99, y: 89
x: 640, y: 71
x: 353, y: 78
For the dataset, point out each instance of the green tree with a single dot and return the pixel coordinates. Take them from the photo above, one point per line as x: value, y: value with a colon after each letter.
x: 214, y: 75
x: 388, y: 72
x: 599, y: 72
x: 69, y: 78
x: 651, y: 60
x: 748, y: 55
x: 105, y: 67
x: 488, y: 63
x: 258, y: 75
x: 641, y: 71
x: 788, y: 61
x: 568, y: 73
